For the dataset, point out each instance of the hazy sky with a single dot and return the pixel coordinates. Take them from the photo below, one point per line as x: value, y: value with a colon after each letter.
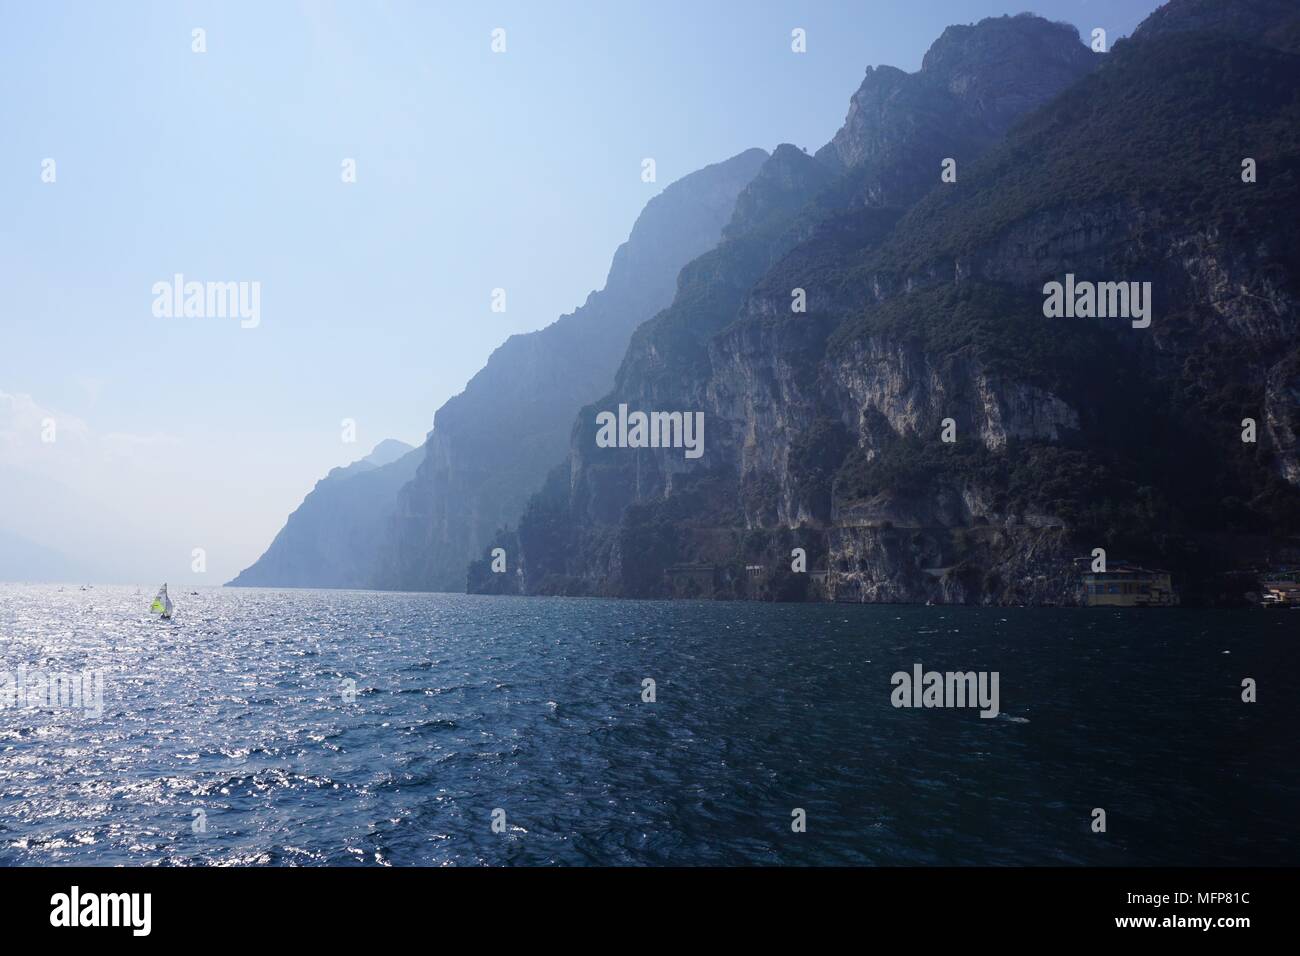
x: 475, y: 170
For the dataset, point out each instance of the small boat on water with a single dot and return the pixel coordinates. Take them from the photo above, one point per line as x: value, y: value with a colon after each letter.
x: 162, y: 604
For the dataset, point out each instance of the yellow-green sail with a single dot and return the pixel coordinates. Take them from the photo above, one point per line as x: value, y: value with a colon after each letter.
x: 162, y: 603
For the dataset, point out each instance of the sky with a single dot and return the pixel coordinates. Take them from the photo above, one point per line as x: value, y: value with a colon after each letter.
x: 475, y: 170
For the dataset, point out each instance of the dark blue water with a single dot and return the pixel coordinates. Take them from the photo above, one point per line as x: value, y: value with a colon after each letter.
x: 469, y: 704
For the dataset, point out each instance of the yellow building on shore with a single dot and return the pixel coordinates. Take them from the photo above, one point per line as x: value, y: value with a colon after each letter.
x: 1280, y: 589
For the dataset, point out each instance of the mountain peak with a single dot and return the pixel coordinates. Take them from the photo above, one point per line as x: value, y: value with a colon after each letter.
x: 974, y: 82
x: 385, y: 453
x: 783, y: 183
x: 388, y: 450
x: 1004, y: 66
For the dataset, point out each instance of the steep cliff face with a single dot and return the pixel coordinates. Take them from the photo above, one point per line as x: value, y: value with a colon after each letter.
x: 824, y: 428
x: 899, y: 129
x: 668, y: 358
x: 1124, y: 439
x: 491, y: 445
x: 333, y: 538
x: 758, y: 392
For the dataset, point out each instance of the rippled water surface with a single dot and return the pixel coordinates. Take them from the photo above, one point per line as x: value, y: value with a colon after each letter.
x: 236, y: 715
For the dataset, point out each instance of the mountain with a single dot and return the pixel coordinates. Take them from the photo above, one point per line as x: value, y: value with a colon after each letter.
x: 925, y: 309
x: 24, y: 560
x: 492, y: 444
x: 51, y: 531
x: 1267, y: 22
x: 385, y: 453
x: 974, y: 82
x: 333, y: 538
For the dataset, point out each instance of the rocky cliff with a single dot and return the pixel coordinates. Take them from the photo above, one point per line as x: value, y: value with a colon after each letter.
x: 825, y: 428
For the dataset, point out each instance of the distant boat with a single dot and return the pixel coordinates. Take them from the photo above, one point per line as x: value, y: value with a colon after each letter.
x: 162, y: 604
x: 1280, y: 589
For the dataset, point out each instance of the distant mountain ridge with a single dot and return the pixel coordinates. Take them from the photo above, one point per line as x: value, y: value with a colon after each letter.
x: 332, y: 539
x: 24, y: 560
x: 414, y: 521
x: 492, y: 445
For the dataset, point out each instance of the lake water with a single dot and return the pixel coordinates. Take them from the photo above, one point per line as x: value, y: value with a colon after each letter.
x: 230, y: 735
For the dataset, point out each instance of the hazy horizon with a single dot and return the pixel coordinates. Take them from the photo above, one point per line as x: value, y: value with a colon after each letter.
x: 474, y: 171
